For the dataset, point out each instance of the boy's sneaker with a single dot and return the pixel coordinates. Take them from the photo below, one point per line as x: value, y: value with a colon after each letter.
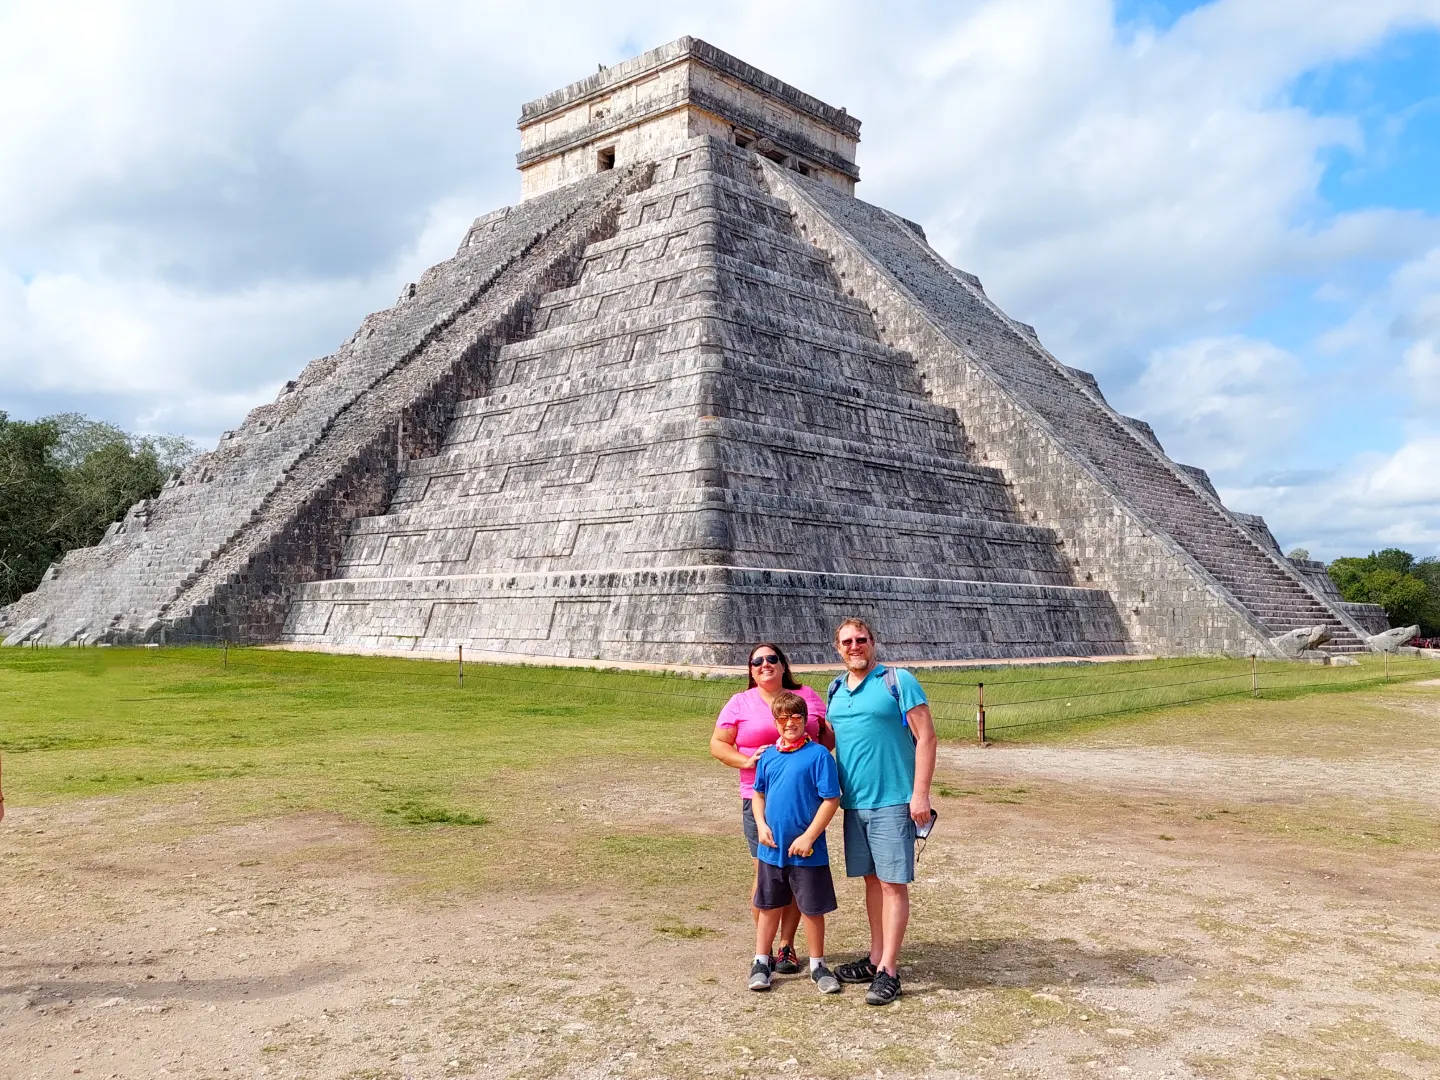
x: 857, y: 971
x: 787, y: 963
x: 825, y: 980
x: 884, y: 990
x: 759, y: 975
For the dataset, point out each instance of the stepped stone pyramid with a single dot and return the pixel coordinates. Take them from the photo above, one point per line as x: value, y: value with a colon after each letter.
x: 689, y: 394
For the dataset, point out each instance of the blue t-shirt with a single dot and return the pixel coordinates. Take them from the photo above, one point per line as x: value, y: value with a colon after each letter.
x: 873, y: 745
x: 794, y: 785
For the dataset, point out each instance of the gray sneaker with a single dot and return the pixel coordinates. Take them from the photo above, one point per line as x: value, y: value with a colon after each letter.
x: 759, y: 975
x: 825, y: 980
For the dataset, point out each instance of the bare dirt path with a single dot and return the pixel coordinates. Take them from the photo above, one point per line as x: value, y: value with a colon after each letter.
x: 1238, y: 776
x: 1084, y: 910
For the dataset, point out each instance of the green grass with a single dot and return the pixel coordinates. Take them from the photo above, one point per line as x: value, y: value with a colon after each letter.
x: 402, y: 743
x: 1026, y: 702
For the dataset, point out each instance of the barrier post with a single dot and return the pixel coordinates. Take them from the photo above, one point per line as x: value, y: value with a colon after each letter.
x: 1254, y: 677
x: 225, y: 653
x: 460, y: 659
x: 1387, y: 665
x: 980, y: 712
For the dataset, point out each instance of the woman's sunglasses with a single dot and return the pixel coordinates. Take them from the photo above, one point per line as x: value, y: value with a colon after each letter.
x: 769, y: 658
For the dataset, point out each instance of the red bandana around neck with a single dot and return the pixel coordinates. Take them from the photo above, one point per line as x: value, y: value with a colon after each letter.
x: 786, y: 748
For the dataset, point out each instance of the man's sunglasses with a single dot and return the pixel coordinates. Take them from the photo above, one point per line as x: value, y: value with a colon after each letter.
x: 770, y: 658
x: 847, y: 642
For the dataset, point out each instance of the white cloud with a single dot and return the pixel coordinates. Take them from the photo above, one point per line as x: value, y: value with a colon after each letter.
x: 1395, y: 333
x: 1407, y: 480
x: 1422, y: 371
x: 1377, y: 500
x: 196, y: 200
x: 1117, y: 192
x: 1221, y: 403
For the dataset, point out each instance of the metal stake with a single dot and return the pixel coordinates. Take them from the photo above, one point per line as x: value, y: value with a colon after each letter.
x: 980, y: 712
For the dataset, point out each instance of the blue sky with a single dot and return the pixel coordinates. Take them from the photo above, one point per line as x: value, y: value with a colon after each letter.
x: 1227, y: 211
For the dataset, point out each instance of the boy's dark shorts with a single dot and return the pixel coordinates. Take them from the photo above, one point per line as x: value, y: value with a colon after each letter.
x: 811, y: 887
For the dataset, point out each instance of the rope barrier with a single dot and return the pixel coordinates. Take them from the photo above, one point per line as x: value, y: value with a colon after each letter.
x: 1115, y: 712
x: 1094, y: 671
x: 1122, y: 690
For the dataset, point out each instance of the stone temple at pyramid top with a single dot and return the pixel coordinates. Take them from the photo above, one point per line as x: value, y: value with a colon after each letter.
x: 639, y: 109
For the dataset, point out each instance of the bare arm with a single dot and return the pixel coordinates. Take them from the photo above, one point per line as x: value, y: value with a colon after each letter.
x: 804, y: 844
x: 722, y: 749
x: 757, y: 807
x: 827, y: 735
x: 824, y: 733
x: 922, y: 726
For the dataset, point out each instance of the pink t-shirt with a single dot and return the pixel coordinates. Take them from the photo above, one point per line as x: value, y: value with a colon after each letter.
x: 754, y: 725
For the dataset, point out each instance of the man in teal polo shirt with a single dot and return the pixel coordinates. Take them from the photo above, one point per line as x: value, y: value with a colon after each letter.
x: 885, y: 747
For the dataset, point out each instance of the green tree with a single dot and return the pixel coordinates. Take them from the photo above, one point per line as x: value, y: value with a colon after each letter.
x: 1393, y: 559
x: 1408, y: 589
x: 63, y: 480
x: 1428, y: 571
x: 31, y: 486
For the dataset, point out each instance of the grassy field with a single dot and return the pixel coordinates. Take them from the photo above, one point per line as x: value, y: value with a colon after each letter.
x: 320, y: 858
x: 405, y: 744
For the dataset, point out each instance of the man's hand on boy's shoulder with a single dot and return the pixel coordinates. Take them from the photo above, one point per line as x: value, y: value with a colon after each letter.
x: 753, y: 758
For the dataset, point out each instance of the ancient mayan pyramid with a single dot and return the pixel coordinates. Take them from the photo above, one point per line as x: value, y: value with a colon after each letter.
x: 689, y: 394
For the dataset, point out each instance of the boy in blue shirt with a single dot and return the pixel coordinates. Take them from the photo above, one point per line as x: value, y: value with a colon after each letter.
x: 797, y: 791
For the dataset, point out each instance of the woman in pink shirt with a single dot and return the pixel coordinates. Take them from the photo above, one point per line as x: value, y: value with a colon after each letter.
x: 743, y: 731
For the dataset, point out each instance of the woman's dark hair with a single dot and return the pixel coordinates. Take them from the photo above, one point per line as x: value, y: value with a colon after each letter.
x: 787, y: 681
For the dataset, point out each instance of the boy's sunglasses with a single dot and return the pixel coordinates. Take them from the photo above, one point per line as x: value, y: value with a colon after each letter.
x: 769, y: 658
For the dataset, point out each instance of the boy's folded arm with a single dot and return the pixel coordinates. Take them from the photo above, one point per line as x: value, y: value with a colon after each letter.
x: 821, y: 820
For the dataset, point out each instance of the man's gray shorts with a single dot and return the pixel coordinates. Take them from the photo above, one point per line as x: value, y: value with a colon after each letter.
x: 881, y: 842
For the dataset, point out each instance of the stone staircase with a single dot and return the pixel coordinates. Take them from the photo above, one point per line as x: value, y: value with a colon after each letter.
x: 161, y: 570
x: 704, y: 407
x: 1137, y: 472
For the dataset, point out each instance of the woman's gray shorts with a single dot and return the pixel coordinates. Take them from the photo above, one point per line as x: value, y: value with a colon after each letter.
x: 752, y: 831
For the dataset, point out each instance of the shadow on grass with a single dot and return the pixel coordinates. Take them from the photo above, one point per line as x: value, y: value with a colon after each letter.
x: 1036, y: 964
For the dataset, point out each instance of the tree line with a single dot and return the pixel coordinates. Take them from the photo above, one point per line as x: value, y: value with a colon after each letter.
x: 1406, y: 587
x: 63, y: 480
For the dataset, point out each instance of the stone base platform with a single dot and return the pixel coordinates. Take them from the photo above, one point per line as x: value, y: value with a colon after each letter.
x: 703, y: 615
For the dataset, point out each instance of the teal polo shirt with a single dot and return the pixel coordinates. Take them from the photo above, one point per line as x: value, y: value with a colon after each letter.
x: 873, y: 746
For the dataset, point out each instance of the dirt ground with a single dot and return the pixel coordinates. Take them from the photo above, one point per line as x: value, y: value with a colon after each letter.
x: 1100, y: 907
